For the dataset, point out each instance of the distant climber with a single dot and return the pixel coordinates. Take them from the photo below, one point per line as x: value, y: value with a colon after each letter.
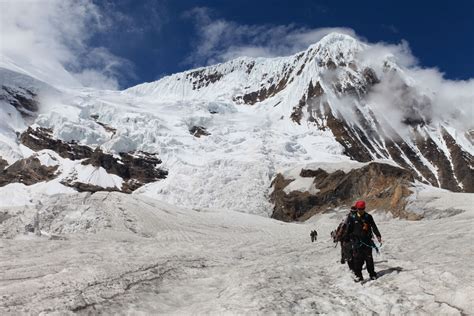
x: 314, y: 235
x: 360, y: 230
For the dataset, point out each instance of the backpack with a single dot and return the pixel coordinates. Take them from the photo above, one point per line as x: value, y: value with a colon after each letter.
x: 339, y: 231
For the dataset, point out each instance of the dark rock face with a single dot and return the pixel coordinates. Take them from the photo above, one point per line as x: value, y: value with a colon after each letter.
x: 135, y: 168
x: 314, y: 92
x: 297, y: 113
x: 27, y: 171
x: 86, y: 187
x: 3, y: 164
x: 108, y: 128
x: 198, y: 131
x: 462, y: 163
x: 264, y: 93
x: 24, y: 100
x: 201, y: 78
x: 383, y: 187
x: 41, y: 138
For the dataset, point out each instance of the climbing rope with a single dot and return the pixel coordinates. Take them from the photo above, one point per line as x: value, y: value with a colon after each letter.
x: 372, y: 246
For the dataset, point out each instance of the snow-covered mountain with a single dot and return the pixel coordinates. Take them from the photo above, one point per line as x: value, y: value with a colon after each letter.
x: 329, y: 86
x: 221, y: 134
x: 224, y: 132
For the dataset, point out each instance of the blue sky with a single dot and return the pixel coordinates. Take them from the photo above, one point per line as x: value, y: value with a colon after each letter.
x: 120, y: 43
x: 163, y: 37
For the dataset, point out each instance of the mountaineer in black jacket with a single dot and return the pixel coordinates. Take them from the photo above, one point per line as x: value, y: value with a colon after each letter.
x: 360, y: 229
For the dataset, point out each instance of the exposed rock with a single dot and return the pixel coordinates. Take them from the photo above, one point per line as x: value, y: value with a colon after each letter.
x: 370, y: 76
x: 27, y: 171
x: 438, y: 158
x: 108, y: 128
x: 470, y: 136
x: 297, y: 113
x: 3, y: 163
x: 41, y: 138
x: 383, y: 186
x: 330, y: 64
x: 135, y: 168
x: 462, y: 163
x: 314, y: 92
x: 198, y: 131
x: 346, y: 136
x: 23, y: 100
x: 264, y: 93
x: 250, y: 67
x: 202, y: 78
x: 413, y: 121
x: 86, y: 187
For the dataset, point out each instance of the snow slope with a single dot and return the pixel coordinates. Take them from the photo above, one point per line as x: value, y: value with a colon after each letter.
x: 117, y: 253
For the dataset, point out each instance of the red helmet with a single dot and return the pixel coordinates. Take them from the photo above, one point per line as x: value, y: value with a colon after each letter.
x: 360, y: 205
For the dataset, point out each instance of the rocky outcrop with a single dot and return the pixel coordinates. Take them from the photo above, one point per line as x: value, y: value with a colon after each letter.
x: 264, y: 93
x: 383, y: 186
x: 3, y: 164
x: 462, y: 162
x: 107, y: 128
x: 135, y: 168
x: 27, y: 171
x: 198, y: 131
x: 314, y: 93
x: 24, y: 100
x: 202, y: 78
x: 42, y: 138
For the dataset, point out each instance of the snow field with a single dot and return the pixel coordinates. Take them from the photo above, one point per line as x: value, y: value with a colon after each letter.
x: 131, y: 254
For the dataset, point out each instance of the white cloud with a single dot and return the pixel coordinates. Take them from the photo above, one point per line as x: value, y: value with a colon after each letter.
x: 413, y: 92
x: 50, y: 40
x: 221, y: 40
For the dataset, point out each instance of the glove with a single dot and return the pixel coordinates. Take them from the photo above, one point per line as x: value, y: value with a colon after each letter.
x: 379, y: 238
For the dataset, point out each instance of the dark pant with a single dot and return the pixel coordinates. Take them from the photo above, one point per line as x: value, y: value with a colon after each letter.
x: 346, y: 253
x: 363, y: 254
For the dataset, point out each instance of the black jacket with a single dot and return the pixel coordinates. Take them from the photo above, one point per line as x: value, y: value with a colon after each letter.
x: 361, y: 227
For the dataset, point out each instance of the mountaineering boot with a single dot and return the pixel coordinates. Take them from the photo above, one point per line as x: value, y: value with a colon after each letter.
x: 359, y: 279
x: 373, y: 276
x: 343, y: 261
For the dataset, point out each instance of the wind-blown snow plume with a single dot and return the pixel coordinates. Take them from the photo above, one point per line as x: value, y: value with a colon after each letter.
x: 427, y: 96
x: 51, y: 40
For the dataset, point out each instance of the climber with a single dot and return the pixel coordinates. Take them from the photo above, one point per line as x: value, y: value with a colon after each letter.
x: 360, y: 230
x: 314, y: 235
x: 346, y: 245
